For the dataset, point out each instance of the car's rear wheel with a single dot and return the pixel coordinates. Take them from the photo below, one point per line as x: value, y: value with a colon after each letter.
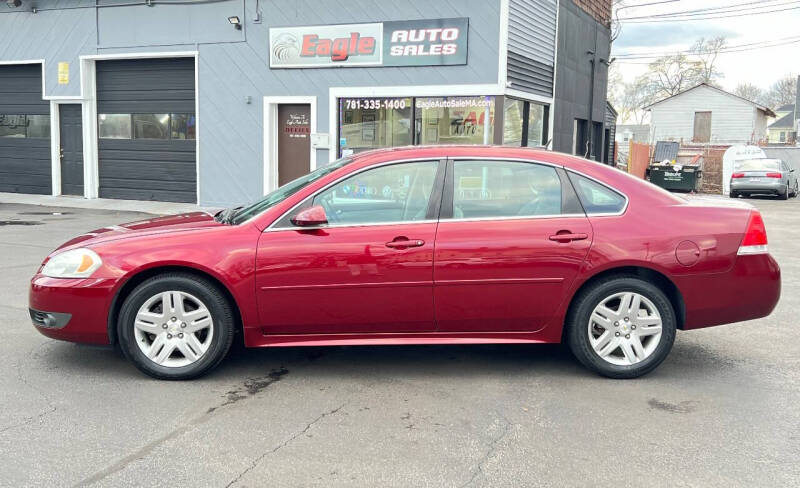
x: 733, y: 194
x: 621, y: 327
x: 176, y: 326
x: 785, y: 194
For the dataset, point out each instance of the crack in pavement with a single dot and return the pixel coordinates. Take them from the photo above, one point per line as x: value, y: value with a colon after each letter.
x: 50, y: 406
x: 283, y: 444
x: 490, y: 451
x: 252, y: 387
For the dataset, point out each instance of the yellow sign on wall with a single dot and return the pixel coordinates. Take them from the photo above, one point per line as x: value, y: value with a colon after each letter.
x: 63, y: 73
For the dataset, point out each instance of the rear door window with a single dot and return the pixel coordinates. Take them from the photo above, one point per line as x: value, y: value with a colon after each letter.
x: 597, y: 198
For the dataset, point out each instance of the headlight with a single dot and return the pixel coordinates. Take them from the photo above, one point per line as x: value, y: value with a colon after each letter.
x: 76, y: 263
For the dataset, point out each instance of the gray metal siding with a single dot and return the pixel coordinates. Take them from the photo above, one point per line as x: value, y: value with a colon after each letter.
x: 24, y: 162
x: 531, y: 45
x: 146, y: 169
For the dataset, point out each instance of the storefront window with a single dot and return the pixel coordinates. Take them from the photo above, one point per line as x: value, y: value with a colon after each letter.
x: 454, y: 120
x: 513, y: 113
x: 536, y: 115
x: 372, y: 123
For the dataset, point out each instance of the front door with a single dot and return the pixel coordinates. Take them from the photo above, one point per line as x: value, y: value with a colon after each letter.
x: 71, y: 148
x: 369, y: 270
x: 507, y: 248
x: 294, y: 141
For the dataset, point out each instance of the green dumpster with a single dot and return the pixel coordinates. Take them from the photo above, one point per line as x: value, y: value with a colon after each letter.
x: 687, y: 178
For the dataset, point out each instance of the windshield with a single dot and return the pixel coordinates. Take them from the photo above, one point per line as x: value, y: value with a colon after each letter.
x: 286, y: 191
x: 757, y: 165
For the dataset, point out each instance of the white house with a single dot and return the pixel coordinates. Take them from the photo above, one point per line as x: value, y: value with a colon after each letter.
x: 706, y: 114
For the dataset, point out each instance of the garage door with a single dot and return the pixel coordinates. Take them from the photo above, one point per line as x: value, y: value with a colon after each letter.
x: 146, y: 129
x: 24, y: 131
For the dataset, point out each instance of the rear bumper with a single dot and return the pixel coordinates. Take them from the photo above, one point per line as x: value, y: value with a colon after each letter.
x: 775, y: 186
x: 750, y: 290
x: 77, y: 308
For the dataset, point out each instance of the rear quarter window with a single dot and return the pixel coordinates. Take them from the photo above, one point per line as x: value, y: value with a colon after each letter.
x: 595, y: 197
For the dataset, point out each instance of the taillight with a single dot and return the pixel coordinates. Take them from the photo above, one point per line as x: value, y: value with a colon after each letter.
x: 774, y: 175
x: 737, y: 175
x: 755, y: 237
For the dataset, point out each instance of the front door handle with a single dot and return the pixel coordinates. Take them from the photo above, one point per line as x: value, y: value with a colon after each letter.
x: 404, y: 242
x: 568, y: 237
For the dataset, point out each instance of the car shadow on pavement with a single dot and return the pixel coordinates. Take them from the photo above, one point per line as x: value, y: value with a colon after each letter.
x: 454, y: 361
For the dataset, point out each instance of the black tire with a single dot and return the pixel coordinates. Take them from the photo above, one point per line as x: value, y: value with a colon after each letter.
x: 211, y: 296
x: 577, y: 334
x: 785, y: 195
x: 733, y: 194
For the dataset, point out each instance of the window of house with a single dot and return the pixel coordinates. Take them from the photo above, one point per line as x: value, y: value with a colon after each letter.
x: 513, y: 121
x: 488, y: 189
x: 783, y: 137
x: 537, y: 115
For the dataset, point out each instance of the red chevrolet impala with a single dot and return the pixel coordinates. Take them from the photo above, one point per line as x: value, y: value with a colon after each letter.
x: 423, y: 245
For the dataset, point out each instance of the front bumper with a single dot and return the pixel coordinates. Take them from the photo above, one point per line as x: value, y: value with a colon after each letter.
x: 77, y: 308
x: 766, y: 185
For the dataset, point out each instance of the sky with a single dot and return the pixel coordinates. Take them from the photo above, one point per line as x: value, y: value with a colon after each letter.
x: 760, y: 67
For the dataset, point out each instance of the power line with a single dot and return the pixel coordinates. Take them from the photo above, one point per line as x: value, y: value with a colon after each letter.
x: 625, y: 61
x: 759, y: 4
x: 699, y: 52
x: 684, y: 19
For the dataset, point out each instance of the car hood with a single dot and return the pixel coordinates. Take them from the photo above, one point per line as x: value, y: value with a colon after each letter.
x: 157, y: 225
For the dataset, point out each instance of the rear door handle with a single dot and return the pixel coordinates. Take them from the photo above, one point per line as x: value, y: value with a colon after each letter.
x: 567, y: 237
x: 403, y: 243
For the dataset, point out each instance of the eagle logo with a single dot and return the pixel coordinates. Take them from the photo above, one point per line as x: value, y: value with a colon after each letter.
x: 285, y: 47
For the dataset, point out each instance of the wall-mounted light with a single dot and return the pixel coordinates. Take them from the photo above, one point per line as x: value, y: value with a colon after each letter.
x: 14, y: 3
x: 234, y: 20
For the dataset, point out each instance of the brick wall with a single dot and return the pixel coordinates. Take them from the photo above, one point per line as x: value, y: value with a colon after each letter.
x: 599, y: 9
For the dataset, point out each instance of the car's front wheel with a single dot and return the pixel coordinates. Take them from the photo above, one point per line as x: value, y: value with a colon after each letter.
x: 176, y: 326
x: 621, y: 327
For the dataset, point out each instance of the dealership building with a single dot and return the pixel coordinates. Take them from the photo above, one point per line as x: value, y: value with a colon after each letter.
x: 218, y: 102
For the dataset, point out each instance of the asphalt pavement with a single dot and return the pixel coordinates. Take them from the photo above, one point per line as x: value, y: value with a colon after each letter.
x: 722, y: 410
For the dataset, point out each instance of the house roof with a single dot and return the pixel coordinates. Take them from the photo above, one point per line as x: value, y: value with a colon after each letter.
x: 789, y: 107
x: 764, y: 109
x: 785, y: 122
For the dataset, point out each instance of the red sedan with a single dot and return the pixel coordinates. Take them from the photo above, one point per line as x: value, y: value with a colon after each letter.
x: 423, y: 245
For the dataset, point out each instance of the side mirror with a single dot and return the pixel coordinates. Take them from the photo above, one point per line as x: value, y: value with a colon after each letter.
x: 311, y: 217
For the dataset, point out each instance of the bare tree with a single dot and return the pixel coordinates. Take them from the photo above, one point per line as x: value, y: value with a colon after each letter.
x: 750, y: 92
x: 705, y: 52
x: 671, y: 75
x: 783, y: 91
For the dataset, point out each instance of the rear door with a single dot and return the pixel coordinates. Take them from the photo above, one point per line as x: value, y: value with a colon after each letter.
x: 511, y: 239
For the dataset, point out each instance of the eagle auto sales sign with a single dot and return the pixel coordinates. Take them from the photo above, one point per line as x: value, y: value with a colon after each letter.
x: 396, y: 43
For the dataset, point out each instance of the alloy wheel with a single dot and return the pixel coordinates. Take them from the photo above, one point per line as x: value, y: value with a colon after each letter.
x: 173, y: 329
x: 625, y: 328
